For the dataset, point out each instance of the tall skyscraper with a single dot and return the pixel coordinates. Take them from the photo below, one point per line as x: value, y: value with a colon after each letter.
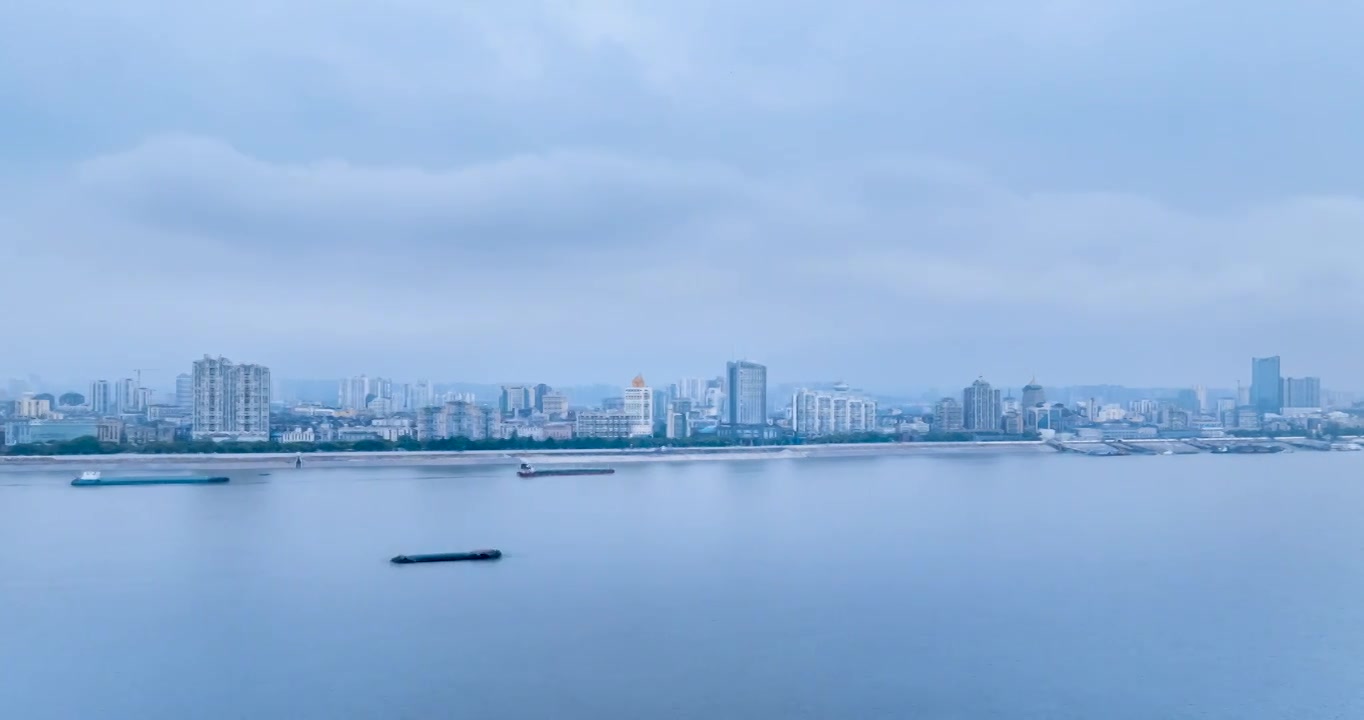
x: 1033, y: 396
x: 231, y: 398
x: 184, y: 391
x: 1266, y: 384
x: 101, y: 397
x: 639, y: 406
x: 980, y: 407
x: 746, y: 396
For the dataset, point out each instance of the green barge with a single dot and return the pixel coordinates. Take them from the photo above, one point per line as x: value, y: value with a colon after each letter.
x: 95, y: 479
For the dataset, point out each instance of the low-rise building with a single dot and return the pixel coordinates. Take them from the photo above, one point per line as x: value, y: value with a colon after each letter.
x: 603, y: 424
x: 23, y: 432
x: 110, y: 430
x: 298, y: 435
x: 558, y: 431
x: 146, y: 434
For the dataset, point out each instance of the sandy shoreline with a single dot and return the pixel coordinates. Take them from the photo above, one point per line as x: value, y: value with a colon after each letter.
x: 498, y: 457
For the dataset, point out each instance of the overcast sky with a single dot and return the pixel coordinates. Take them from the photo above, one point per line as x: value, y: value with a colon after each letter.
x: 901, y: 194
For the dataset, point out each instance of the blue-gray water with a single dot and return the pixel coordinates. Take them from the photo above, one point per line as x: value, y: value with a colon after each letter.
x: 1041, y: 587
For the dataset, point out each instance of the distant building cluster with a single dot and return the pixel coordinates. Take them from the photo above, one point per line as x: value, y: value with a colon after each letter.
x: 819, y: 413
x: 221, y: 400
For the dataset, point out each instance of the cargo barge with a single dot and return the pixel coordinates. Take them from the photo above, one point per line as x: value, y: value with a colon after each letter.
x: 447, y: 557
x: 526, y: 471
x: 94, y: 479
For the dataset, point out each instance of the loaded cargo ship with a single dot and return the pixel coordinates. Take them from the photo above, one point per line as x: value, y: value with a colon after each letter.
x: 92, y: 479
x: 526, y: 471
x: 447, y: 557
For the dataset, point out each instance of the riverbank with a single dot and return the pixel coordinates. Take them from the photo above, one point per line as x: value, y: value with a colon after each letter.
x: 228, y: 461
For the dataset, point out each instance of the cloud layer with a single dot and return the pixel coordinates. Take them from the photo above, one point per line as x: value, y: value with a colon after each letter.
x: 895, y: 193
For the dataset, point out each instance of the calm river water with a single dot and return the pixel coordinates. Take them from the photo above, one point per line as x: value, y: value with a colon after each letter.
x: 1039, y: 587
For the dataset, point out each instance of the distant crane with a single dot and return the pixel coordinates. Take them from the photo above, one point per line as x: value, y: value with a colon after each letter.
x: 139, y: 372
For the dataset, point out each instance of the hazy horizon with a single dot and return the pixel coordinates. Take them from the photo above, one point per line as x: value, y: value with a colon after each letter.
x: 894, y: 194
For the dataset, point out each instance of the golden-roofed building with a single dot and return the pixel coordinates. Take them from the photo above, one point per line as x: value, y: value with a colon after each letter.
x: 638, y: 382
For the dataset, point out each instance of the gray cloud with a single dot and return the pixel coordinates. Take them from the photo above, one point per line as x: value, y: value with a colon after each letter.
x: 902, y: 194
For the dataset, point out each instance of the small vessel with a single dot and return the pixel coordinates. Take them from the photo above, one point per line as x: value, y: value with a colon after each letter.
x: 447, y: 557
x: 93, y: 478
x: 526, y: 471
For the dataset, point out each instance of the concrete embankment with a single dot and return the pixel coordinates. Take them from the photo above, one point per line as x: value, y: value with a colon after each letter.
x: 509, y: 457
x: 226, y: 461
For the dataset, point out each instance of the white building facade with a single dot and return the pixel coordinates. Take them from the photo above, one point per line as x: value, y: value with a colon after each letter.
x: 639, y: 407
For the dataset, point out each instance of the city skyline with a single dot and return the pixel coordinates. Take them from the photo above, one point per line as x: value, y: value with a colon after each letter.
x: 165, y: 384
x: 224, y: 401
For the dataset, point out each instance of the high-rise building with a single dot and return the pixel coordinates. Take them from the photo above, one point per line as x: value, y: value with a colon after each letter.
x: 213, y: 395
x: 815, y: 413
x: 516, y: 399
x: 1187, y: 400
x: 454, y: 419
x: 639, y: 406
x: 679, y: 418
x: 554, y: 404
x: 184, y: 391
x: 354, y: 393
x: 127, y: 396
x: 693, y: 389
x: 947, y: 415
x: 251, y: 400
x: 538, y: 394
x: 980, y: 407
x: 417, y: 395
x: 1266, y: 384
x: 746, y: 398
x: 1302, y: 392
x: 101, y: 397
x: 1033, y: 395
x: 230, y: 398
